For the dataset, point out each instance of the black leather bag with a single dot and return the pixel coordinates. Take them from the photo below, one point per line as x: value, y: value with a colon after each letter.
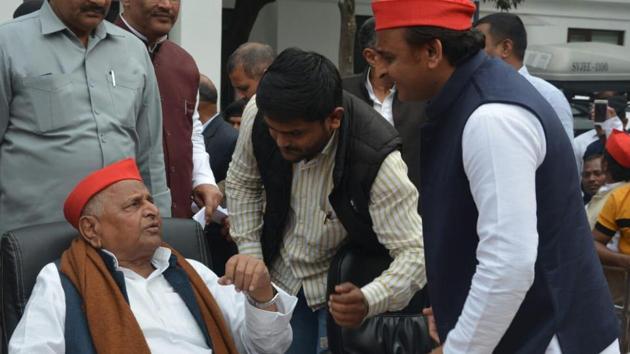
x: 400, y: 332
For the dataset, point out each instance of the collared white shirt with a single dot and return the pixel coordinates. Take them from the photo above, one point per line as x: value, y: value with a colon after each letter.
x: 166, y: 322
x: 555, y: 97
x: 385, y: 108
x: 499, y: 139
x: 202, y: 173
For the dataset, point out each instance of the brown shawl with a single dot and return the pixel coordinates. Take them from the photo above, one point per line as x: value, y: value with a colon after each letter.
x: 112, y: 325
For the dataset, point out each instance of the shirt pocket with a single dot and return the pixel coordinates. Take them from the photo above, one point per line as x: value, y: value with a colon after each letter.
x: 50, y: 95
x: 126, y: 93
x: 332, y: 231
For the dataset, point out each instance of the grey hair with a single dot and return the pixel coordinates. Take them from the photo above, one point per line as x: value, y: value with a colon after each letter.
x: 254, y: 57
x: 94, y: 206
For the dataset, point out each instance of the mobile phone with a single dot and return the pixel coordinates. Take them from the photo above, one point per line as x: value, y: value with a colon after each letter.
x: 601, y: 110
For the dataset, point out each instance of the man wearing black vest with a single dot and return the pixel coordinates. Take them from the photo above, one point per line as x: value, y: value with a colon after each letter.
x: 511, y: 265
x: 188, y: 172
x: 331, y: 172
x: 379, y: 91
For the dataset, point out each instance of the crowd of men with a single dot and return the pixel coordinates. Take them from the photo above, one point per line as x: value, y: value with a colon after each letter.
x: 445, y: 156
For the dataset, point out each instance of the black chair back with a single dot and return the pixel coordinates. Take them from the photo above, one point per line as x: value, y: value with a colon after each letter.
x: 405, y: 331
x: 24, y: 252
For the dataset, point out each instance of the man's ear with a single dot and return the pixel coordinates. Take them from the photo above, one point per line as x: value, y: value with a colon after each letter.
x: 434, y: 53
x: 507, y: 46
x: 334, y: 120
x: 89, y: 228
x: 125, y: 3
x: 370, y: 56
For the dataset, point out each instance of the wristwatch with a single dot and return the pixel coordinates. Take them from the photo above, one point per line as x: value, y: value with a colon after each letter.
x: 263, y: 305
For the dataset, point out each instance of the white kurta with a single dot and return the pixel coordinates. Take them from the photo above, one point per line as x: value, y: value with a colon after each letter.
x: 502, y: 146
x: 166, y: 322
x: 202, y: 173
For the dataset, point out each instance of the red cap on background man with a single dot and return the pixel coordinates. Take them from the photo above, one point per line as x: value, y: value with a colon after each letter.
x: 96, y: 182
x: 618, y: 146
x: 449, y: 14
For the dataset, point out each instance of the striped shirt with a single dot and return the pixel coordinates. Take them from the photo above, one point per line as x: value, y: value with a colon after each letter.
x: 313, y: 233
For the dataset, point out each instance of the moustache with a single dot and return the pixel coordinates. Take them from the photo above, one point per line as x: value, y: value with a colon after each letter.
x: 162, y: 14
x: 94, y: 8
x: 291, y: 150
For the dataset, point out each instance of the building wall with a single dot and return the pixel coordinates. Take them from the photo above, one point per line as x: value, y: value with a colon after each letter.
x: 307, y: 24
x: 266, y: 27
x: 198, y: 30
x: 312, y: 25
x: 7, y: 8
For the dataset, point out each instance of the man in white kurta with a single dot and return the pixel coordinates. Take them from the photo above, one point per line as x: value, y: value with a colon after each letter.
x: 116, y: 217
x: 166, y: 323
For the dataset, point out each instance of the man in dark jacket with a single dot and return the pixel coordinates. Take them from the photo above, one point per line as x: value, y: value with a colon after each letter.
x: 378, y: 90
x: 510, y: 257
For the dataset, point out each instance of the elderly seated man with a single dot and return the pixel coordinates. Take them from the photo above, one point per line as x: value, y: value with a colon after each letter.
x: 120, y: 289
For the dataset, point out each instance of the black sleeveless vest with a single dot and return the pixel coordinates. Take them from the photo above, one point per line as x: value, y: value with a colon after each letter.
x: 365, y: 140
